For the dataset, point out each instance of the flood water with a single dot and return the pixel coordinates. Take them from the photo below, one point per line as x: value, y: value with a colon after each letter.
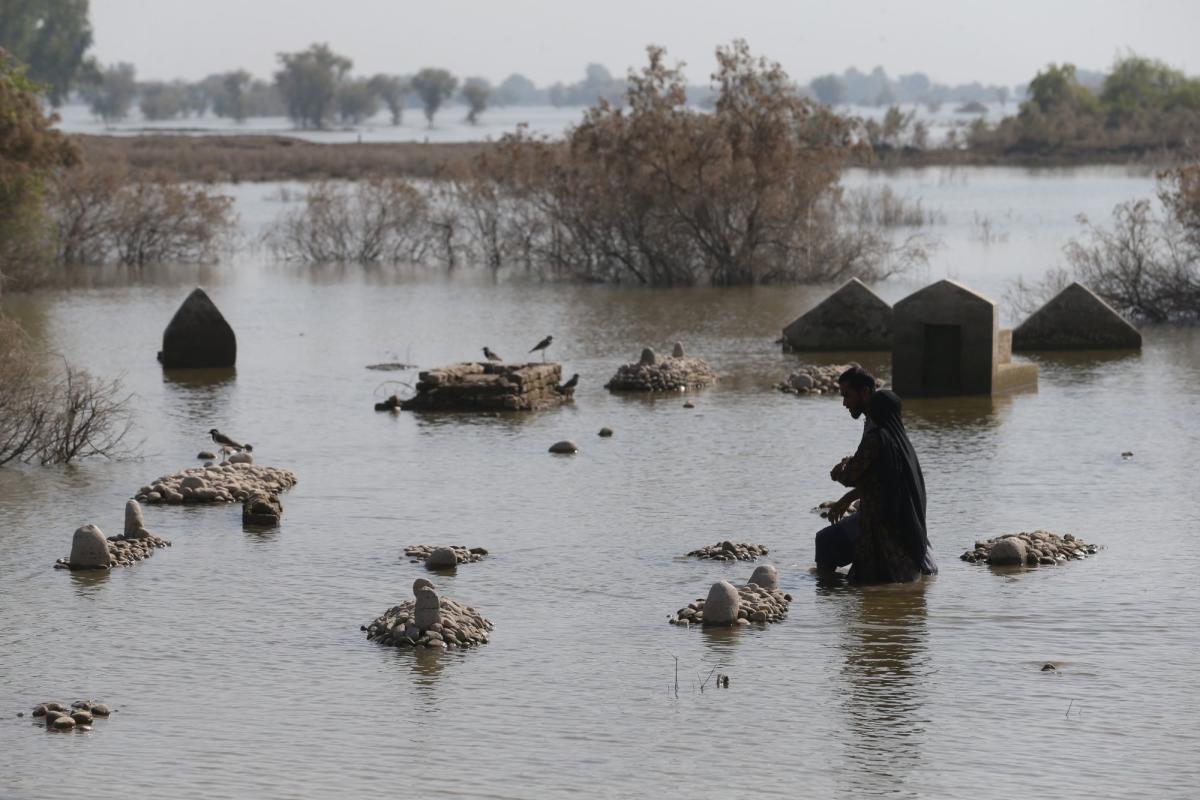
x: 236, y: 660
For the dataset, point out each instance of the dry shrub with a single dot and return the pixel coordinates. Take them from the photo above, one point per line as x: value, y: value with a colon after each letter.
x: 105, y: 213
x: 55, y: 417
x: 377, y: 220
x: 1146, y: 265
x: 661, y: 194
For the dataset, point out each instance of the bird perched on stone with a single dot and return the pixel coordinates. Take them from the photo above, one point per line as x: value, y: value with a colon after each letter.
x: 490, y: 356
x: 542, y: 345
x: 569, y: 386
x: 225, y: 442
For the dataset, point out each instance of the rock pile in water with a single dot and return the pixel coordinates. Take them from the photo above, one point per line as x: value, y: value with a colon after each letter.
x: 1031, y: 549
x: 227, y: 483
x: 429, y: 621
x: 816, y: 379
x: 262, y: 509
x: 91, y: 550
x: 758, y: 601
x: 437, y: 557
x: 653, y: 374
x: 489, y: 386
x: 79, y: 716
x: 730, y: 551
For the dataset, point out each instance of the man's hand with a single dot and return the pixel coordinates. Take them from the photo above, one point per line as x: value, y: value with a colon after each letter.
x: 836, y: 473
x: 837, y: 510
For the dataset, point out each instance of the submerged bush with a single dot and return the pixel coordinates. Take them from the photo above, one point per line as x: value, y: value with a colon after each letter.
x: 658, y: 193
x: 106, y: 214
x: 376, y: 220
x: 55, y: 416
x: 1146, y: 265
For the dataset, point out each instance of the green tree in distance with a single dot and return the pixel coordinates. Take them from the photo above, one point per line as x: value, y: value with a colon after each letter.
x: 356, y: 102
x: 112, y: 93
x: 475, y: 93
x: 309, y: 82
x: 51, y: 37
x: 390, y: 89
x: 434, y: 87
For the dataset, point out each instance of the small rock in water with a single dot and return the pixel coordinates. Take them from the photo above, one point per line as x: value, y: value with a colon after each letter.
x: 1048, y: 667
x: 204, y: 455
x: 566, y: 446
x: 1128, y: 454
x: 689, y: 405
x: 606, y: 432
x: 730, y: 551
x: 1030, y: 549
x: 459, y: 554
x: 442, y: 558
x: 677, y: 351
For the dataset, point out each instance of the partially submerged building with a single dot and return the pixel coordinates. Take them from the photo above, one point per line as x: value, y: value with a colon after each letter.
x: 853, y: 318
x: 1076, y: 319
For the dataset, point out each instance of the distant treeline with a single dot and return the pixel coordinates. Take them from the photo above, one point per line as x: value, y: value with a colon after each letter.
x: 877, y: 89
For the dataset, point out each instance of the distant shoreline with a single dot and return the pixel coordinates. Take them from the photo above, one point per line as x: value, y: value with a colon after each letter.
x: 269, y: 157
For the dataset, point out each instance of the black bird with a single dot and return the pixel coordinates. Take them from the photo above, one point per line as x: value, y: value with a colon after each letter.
x: 490, y: 356
x: 569, y: 386
x: 542, y: 345
x: 225, y: 442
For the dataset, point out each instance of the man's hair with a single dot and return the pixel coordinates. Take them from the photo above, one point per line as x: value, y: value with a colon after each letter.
x: 858, y: 379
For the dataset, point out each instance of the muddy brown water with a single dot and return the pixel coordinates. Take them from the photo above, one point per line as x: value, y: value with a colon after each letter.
x: 236, y: 660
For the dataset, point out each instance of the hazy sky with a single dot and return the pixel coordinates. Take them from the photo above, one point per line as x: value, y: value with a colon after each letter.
x: 550, y: 40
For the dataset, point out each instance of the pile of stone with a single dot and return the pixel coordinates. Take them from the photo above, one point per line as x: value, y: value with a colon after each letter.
x: 262, y: 509
x: 429, y: 622
x: 1032, y: 549
x: 730, y: 551
x: 489, y: 386
x: 227, y: 483
x: 653, y: 374
x: 816, y: 379
x: 444, y: 557
x: 91, y: 550
x: 79, y: 716
x: 726, y: 605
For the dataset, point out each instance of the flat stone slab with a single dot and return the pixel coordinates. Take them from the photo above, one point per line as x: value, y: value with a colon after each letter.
x: 852, y: 318
x: 228, y: 483
x: 462, y: 555
x: 669, y: 374
x: 730, y: 551
x: 1030, y: 549
x: 489, y: 386
x: 757, y: 605
x: 1076, y: 319
x: 817, y: 379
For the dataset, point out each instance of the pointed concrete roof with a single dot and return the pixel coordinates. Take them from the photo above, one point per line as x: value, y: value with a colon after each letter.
x: 1076, y: 319
x: 852, y: 318
x: 947, y: 288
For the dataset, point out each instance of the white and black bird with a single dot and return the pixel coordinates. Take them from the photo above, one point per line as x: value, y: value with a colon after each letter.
x: 490, y: 356
x: 542, y: 345
x: 225, y: 443
x: 569, y: 386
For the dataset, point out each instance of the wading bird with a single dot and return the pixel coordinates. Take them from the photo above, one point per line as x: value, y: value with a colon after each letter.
x: 542, y: 345
x: 226, y: 444
x: 569, y: 386
x: 490, y: 356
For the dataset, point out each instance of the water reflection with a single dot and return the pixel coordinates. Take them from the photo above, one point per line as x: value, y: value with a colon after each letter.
x: 88, y: 582
x: 884, y: 646
x: 213, y: 378
x: 958, y: 413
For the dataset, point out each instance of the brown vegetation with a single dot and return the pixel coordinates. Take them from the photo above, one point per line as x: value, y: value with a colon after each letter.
x: 1146, y: 265
x: 274, y: 158
x: 54, y: 417
x: 376, y: 220
x: 660, y: 194
x: 102, y: 214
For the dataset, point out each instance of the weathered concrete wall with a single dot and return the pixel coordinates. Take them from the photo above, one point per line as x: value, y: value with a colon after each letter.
x: 945, y: 342
x: 852, y: 318
x: 1076, y: 319
x: 198, y: 336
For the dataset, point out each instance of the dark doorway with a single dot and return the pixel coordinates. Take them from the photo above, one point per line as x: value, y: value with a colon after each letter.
x: 941, y: 373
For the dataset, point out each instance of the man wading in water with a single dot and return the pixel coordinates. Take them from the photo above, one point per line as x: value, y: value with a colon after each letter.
x: 886, y: 539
